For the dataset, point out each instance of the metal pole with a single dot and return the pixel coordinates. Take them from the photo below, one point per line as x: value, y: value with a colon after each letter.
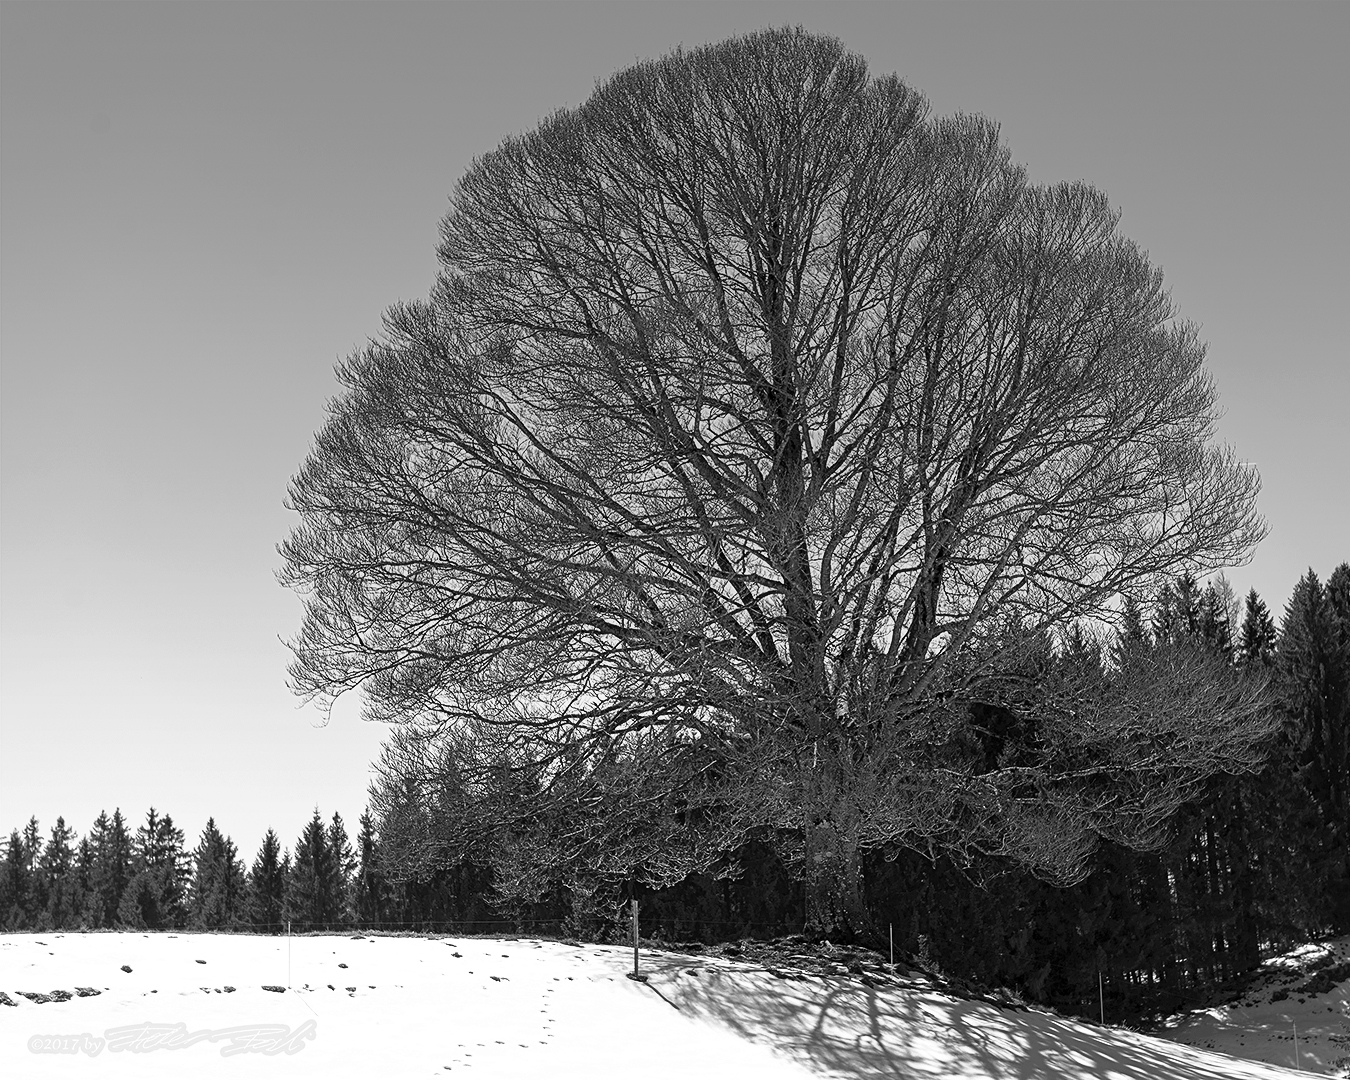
x: 890, y: 929
x: 635, y: 940
x: 1101, y: 998
x: 288, y: 954
x: 1297, y: 1064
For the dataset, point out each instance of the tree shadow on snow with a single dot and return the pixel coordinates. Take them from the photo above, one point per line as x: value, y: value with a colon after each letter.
x: 844, y: 1027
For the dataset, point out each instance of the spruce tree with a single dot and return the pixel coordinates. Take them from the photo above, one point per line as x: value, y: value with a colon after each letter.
x: 7, y: 884
x: 36, y: 897
x: 1215, y: 622
x: 84, y: 873
x: 1165, y: 614
x: 1338, y: 736
x: 172, y: 864
x: 371, y: 887
x: 15, y: 885
x: 56, y: 874
x: 95, y: 842
x: 1338, y: 590
x: 1257, y: 642
x: 1079, y: 651
x: 155, y: 896
x: 343, y: 866
x: 1132, y: 623
x: 1178, y: 614
x: 1314, y: 659
x: 287, y: 869
x: 1189, y: 606
x: 311, y: 894
x: 217, y: 893
x: 114, y: 868
x: 109, y: 869
x: 267, y: 887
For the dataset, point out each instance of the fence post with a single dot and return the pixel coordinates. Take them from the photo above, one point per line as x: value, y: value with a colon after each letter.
x: 288, y: 954
x: 634, y: 975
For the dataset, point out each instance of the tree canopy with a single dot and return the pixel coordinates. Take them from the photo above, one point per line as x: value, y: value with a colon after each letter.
x: 758, y: 430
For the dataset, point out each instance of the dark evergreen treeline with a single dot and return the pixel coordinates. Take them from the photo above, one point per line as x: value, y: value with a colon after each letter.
x: 1253, y: 862
x: 119, y: 878
x: 145, y: 879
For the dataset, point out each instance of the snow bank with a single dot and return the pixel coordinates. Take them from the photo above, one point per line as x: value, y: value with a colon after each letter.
x: 1299, y: 1004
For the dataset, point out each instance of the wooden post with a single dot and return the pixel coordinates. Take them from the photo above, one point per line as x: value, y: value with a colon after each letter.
x: 634, y: 974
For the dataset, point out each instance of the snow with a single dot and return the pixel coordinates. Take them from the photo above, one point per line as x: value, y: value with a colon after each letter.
x: 1262, y: 1023
x: 528, y: 1008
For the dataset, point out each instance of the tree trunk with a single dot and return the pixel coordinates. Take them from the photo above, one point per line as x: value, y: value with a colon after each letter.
x: 1248, y: 945
x: 833, y: 871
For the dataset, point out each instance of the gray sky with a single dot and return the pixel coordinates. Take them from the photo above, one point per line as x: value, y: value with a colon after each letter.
x: 203, y: 206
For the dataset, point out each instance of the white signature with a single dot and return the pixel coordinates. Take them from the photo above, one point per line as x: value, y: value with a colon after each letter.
x: 145, y: 1038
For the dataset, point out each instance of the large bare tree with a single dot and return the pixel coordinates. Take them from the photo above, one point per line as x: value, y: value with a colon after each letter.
x: 755, y: 418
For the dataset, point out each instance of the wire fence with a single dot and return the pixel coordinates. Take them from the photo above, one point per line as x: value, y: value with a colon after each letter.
x: 654, y: 928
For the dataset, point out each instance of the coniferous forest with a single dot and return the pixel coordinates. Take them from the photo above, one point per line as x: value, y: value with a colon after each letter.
x: 1253, y: 862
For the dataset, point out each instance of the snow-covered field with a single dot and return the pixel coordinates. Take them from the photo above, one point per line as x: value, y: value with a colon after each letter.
x: 420, y: 1007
